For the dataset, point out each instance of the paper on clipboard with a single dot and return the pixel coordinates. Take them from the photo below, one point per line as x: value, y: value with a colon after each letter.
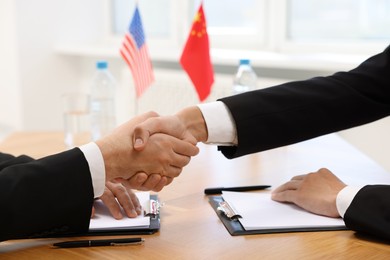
x: 259, y: 211
x: 103, y: 219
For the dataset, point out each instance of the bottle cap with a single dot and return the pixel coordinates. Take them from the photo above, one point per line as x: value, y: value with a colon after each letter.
x: 101, y: 64
x: 244, y: 62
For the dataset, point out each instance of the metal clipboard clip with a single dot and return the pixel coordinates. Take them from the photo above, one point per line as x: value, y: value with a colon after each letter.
x: 154, y: 208
x: 228, y: 210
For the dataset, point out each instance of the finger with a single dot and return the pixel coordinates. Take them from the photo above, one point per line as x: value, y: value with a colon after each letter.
x: 176, y: 152
x: 122, y: 194
x: 184, y: 147
x: 135, y: 181
x: 299, y: 177
x: 169, y: 180
x: 290, y: 185
x: 136, y: 203
x: 190, y: 138
x: 284, y: 196
x: 111, y: 203
x: 145, y: 182
x: 162, y: 183
x: 130, y: 204
x: 181, y: 152
x: 151, y: 182
x: 172, y: 171
x: 178, y: 160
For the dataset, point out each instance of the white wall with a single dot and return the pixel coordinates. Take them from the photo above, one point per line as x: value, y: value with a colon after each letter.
x: 10, y: 102
x: 35, y: 74
x: 44, y: 24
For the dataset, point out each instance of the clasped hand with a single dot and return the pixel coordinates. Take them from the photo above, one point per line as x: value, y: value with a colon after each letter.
x: 164, y: 155
x: 150, y: 167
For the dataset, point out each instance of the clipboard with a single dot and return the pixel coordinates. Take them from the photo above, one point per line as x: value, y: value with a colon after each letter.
x: 235, y: 228
x: 153, y: 227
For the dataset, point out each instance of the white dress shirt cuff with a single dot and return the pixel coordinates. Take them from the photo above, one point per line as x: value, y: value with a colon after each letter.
x: 344, y: 199
x: 220, y: 124
x: 96, y: 166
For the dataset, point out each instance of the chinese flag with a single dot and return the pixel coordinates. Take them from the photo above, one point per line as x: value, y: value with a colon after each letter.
x: 195, y: 58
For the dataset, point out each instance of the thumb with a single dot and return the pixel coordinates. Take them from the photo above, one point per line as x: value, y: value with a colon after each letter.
x: 141, y: 137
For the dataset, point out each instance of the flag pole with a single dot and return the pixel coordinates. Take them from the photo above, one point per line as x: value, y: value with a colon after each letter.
x: 135, y: 87
x: 135, y: 104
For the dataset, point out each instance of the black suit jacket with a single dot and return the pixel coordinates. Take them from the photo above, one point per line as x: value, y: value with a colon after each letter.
x: 45, y: 197
x: 301, y: 110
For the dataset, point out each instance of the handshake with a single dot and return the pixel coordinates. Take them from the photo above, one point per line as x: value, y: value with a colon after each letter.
x: 148, y: 151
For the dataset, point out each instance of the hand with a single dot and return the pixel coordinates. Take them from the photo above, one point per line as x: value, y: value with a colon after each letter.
x: 167, y: 153
x: 316, y: 192
x: 116, y: 196
x: 187, y: 125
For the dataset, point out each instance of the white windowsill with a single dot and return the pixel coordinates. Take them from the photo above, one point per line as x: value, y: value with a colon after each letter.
x: 297, y: 61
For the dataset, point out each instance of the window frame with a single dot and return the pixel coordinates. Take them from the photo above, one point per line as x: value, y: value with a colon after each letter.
x: 275, y: 40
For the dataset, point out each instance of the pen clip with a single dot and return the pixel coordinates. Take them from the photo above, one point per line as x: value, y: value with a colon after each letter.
x: 154, y: 208
x: 228, y: 210
x: 128, y: 244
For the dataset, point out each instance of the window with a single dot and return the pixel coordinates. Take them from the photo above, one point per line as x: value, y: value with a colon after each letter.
x: 235, y: 24
x: 170, y: 20
x: 339, y: 20
x: 263, y: 24
x: 155, y: 16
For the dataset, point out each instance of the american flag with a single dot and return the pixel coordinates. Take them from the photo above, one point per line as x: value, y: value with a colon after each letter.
x: 135, y: 53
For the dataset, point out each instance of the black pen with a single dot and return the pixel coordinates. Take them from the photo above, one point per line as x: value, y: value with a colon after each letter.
x: 218, y: 190
x: 102, y: 242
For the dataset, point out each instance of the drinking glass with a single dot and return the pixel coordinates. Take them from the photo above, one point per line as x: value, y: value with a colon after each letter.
x: 77, y: 126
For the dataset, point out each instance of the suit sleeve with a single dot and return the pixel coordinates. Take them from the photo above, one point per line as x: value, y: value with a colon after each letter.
x: 297, y: 111
x: 369, y: 211
x: 46, y: 197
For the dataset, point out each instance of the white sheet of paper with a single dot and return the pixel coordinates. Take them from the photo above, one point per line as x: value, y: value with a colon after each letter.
x: 103, y: 219
x: 258, y: 211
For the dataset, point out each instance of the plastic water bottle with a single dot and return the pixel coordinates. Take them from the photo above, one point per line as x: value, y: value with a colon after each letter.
x: 102, y: 101
x: 245, y: 78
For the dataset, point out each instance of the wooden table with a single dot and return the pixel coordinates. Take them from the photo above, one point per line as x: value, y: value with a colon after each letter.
x: 190, y: 229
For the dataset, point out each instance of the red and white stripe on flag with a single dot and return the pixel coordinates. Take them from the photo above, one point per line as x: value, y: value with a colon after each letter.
x: 139, y: 63
x: 135, y: 52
